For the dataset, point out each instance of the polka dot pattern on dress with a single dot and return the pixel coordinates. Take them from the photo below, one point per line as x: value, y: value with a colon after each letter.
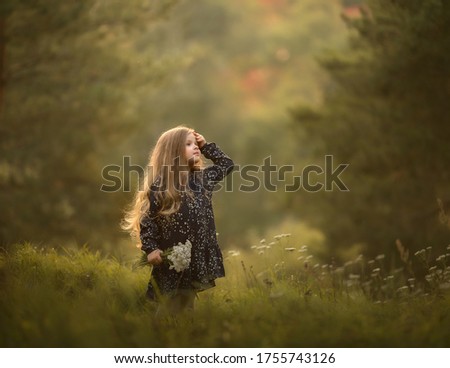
x: 194, y: 221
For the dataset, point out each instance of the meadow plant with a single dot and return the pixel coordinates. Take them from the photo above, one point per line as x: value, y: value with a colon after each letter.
x: 178, y: 257
x: 285, y: 263
x: 274, y: 295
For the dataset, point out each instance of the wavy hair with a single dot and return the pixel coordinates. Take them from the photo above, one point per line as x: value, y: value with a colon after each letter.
x: 164, y: 169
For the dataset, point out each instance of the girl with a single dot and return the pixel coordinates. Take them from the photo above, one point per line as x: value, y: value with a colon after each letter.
x: 175, y: 206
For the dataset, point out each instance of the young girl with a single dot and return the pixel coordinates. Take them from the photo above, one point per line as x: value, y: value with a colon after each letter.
x: 174, y: 206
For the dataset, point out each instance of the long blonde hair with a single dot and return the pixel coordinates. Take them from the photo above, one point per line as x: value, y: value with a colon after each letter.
x: 168, y: 153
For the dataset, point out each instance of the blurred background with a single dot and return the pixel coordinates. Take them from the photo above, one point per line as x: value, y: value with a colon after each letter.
x: 86, y: 83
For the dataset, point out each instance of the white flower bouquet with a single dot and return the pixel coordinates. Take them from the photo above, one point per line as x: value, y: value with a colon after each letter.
x: 178, y: 257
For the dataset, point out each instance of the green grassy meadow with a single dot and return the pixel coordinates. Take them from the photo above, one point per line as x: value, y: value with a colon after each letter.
x: 273, y: 296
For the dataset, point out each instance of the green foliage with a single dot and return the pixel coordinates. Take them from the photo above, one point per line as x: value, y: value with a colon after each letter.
x: 245, y: 69
x: 86, y: 83
x: 90, y: 82
x: 71, y: 72
x: 386, y: 116
x: 58, y: 298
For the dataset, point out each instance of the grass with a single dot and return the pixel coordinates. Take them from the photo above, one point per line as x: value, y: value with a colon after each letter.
x: 270, y: 298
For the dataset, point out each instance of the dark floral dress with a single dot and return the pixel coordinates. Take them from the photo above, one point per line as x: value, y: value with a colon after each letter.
x: 195, y: 222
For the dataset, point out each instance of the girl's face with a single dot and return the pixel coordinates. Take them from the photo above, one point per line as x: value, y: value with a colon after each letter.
x: 192, y: 150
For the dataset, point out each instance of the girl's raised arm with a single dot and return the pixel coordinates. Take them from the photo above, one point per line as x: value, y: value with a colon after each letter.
x: 223, y: 165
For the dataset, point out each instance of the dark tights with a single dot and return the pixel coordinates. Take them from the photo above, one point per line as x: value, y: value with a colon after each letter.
x: 183, y: 300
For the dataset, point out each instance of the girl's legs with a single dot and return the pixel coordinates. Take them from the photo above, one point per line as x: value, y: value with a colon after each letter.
x: 182, y: 300
x: 187, y: 298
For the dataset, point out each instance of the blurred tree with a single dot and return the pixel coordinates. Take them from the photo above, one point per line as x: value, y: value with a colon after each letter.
x: 71, y: 72
x: 386, y: 115
x: 96, y: 81
x: 248, y: 62
x: 351, y: 3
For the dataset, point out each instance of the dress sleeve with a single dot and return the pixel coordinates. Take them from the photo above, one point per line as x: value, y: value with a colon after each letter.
x: 150, y: 234
x: 223, y: 165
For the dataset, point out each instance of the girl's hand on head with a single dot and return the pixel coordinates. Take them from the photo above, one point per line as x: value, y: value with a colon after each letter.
x: 154, y: 257
x: 200, y: 139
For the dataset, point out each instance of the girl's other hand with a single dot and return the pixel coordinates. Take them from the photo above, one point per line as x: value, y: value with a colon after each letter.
x: 200, y: 139
x: 154, y: 257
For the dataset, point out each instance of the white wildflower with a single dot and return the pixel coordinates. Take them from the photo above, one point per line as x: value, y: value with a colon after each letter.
x: 440, y: 258
x: 403, y: 289
x: 179, y: 256
x: 234, y: 253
